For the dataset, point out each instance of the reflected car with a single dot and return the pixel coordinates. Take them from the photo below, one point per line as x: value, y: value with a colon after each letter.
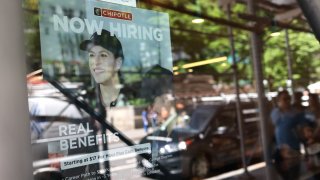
x: 49, y: 110
x: 210, y: 141
x: 47, y: 114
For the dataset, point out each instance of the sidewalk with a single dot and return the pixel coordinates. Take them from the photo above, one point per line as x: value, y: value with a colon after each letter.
x: 256, y: 171
x: 134, y: 135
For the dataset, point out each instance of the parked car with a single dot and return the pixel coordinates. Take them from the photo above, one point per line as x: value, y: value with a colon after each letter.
x: 47, y: 114
x: 209, y: 141
x: 49, y: 110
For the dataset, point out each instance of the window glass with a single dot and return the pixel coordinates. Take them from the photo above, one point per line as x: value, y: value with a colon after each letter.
x: 145, y: 89
x: 226, y: 122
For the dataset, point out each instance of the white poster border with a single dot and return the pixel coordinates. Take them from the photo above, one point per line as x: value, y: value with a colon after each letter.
x: 132, y: 3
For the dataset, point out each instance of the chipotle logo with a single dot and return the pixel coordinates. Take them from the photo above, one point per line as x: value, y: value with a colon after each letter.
x: 113, y: 14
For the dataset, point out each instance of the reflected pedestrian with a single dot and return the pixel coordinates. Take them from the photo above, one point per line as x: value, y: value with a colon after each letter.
x: 145, y: 122
x: 287, y: 120
x: 183, y: 118
x: 154, y: 119
x: 288, y: 145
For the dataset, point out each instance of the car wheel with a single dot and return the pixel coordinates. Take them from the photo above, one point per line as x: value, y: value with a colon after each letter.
x: 200, y: 167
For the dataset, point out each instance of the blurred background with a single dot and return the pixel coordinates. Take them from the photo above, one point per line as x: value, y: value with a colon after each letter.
x: 209, y: 117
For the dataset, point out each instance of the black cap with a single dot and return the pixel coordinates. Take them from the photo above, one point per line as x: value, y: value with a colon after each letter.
x: 105, y: 40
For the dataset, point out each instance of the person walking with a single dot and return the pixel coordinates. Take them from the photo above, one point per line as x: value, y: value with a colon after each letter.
x: 145, y: 122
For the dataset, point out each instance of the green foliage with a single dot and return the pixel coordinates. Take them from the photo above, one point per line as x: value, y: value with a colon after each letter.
x: 208, y: 40
x: 304, y: 49
x: 138, y: 102
x: 32, y: 41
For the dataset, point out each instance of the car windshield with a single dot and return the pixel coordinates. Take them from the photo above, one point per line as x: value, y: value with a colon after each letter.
x: 201, y: 117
